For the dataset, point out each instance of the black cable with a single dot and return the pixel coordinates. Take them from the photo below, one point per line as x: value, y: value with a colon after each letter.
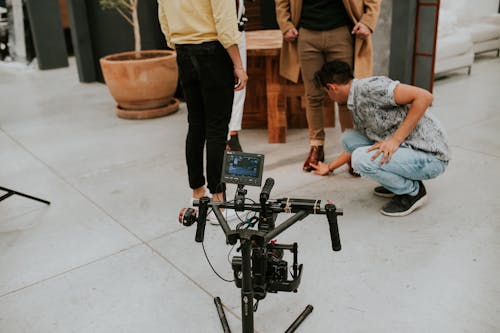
x: 240, y: 225
x: 256, y: 306
x: 208, y: 260
x: 235, y: 212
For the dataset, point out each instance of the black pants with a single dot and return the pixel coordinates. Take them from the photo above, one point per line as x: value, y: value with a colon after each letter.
x: 206, y: 73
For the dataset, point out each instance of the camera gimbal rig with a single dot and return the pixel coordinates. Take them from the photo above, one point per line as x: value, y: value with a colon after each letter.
x: 261, y: 269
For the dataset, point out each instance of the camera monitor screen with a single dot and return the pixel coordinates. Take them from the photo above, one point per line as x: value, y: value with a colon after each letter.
x: 242, y: 168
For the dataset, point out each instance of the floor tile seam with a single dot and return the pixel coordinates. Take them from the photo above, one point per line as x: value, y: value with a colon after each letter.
x: 153, y: 162
x: 481, y: 121
x: 298, y: 187
x: 168, y: 233
x: 190, y: 279
x: 69, y: 270
x: 474, y: 151
x: 74, y: 187
x: 20, y: 215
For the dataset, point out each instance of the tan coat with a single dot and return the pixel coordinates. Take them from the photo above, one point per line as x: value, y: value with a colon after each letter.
x: 364, y: 11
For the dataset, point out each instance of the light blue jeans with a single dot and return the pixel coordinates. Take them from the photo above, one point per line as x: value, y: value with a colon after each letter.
x: 401, y: 174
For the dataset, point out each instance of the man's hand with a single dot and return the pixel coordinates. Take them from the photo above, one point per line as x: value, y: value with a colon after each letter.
x: 361, y: 30
x: 387, y: 148
x: 291, y: 35
x: 321, y: 168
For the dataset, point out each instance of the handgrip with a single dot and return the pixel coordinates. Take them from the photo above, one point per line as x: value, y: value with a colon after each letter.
x: 266, y: 190
x: 202, y: 219
x: 331, y: 215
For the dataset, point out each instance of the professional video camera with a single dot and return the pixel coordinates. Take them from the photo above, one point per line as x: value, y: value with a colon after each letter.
x: 261, y: 267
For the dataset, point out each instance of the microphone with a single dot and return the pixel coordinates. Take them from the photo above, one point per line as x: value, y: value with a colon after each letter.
x: 334, y: 228
x: 266, y: 190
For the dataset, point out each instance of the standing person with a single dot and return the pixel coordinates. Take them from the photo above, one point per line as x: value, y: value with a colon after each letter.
x: 397, y: 142
x: 205, y: 35
x: 233, y: 142
x: 316, y: 32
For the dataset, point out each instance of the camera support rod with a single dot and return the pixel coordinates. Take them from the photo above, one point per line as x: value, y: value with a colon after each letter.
x: 285, y: 225
x: 247, y: 286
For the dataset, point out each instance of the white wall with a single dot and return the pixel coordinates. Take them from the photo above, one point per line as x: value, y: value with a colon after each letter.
x: 480, y: 8
x: 469, y: 9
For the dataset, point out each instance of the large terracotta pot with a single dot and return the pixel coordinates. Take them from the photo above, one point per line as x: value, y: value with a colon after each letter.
x: 142, y: 88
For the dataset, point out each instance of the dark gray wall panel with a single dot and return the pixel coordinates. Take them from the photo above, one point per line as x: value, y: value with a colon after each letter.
x: 47, y: 32
x: 402, y: 40
x: 80, y: 35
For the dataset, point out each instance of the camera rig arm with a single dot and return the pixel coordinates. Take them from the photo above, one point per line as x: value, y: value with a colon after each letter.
x: 261, y: 268
x: 300, y: 207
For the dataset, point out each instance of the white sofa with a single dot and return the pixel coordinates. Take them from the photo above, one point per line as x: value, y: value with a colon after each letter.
x: 454, y: 52
x: 485, y: 33
x: 454, y: 46
x: 459, y: 41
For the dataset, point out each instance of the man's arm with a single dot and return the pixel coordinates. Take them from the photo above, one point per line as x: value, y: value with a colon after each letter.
x: 366, y: 24
x: 324, y: 169
x: 284, y: 19
x: 371, y: 13
x: 419, y: 100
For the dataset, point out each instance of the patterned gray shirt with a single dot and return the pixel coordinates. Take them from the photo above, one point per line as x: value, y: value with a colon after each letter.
x: 376, y: 115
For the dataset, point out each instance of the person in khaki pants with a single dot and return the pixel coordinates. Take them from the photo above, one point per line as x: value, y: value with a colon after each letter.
x: 316, y: 32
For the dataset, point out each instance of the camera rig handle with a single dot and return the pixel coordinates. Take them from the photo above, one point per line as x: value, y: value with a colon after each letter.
x: 202, y: 219
x: 331, y: 215
x: 266, y: 191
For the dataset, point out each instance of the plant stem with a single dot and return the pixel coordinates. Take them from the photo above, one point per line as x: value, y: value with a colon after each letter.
x: 125, y: 16
x: 137, y: 31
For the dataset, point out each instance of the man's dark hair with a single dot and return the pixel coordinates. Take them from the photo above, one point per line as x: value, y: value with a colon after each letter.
x: 333, y: 72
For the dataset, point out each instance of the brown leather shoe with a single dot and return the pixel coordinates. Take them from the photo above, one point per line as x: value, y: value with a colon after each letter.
x: 316, y: 154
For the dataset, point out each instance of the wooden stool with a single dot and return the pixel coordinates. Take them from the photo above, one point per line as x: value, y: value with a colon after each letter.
x: 272, y: 101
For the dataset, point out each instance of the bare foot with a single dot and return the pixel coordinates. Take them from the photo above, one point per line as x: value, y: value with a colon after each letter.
x: 199, y: 192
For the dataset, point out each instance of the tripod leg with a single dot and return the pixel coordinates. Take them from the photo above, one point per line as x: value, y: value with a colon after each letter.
x: 11, y: 192
x: 307, y: 311
x: 6, y: 195
x: 222, y: 315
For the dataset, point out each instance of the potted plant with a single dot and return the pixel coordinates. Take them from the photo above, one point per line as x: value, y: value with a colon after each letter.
x: 143, y: 83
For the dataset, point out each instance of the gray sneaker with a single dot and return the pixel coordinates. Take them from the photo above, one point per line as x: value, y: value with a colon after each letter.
x: 402, y: 205
x: 381, y: 191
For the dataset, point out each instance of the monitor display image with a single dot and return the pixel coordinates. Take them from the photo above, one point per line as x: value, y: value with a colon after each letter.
x: 243, y: 168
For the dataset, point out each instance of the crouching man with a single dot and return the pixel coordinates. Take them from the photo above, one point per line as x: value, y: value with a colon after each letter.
x: 395, y: 141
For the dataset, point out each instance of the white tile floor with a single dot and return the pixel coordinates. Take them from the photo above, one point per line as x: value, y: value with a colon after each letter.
x: 109, y: 256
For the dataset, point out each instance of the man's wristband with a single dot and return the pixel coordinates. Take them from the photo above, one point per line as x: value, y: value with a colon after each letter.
x: 329, y: 169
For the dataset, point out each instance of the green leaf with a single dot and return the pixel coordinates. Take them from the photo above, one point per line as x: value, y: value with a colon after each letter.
x: 113, y: 4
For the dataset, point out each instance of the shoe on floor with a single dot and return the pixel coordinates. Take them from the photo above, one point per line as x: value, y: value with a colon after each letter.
x: 381, y: 191
x: 316, y: 154
x: 402, y: 205
x: 354, y: 173
x: 229, y: 215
